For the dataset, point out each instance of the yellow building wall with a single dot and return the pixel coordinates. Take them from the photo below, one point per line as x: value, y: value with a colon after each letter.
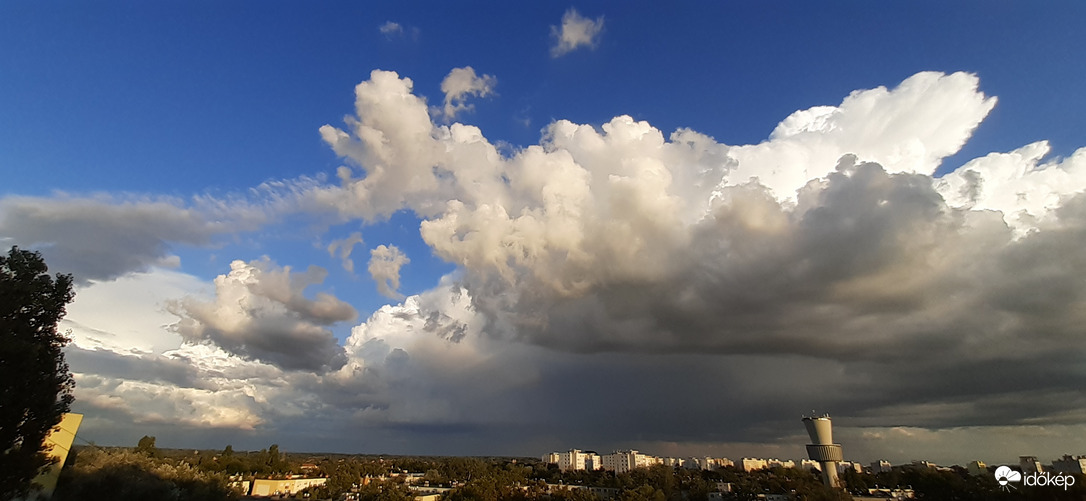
x: 58, y: 444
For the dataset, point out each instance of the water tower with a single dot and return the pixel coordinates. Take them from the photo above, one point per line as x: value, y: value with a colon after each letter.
x: 822, y: 448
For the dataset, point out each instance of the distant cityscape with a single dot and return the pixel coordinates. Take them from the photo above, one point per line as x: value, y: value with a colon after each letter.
x: 626, y: 460
x: 424, y: 480
x: 825, y: 457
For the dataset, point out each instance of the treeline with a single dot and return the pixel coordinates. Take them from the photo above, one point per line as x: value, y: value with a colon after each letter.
x: 96, y: 474
x: 145, y: 472
x: 957, y: 483
x: 514, y: 482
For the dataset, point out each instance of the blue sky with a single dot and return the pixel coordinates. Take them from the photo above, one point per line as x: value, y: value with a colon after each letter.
x: 147, y: 147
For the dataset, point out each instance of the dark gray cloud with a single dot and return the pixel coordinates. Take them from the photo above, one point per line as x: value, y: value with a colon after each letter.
x: 259, y: 312
x: 906, y: 311
x: 102, y: 238
x: 145, y: 367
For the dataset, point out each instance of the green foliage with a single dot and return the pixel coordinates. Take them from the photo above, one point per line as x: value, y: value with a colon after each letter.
x: 385, y: 491
x: 643, y: 493
x: 574, y: 495
x: 121, y: 476
x: 266, y: 462
x: 931, y: 483
x: 37, y: 386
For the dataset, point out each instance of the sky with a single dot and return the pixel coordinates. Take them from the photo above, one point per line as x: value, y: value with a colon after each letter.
x: 517, y: 228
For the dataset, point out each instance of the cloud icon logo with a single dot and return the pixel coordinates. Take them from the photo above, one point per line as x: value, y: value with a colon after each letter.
x: 1004, y: 475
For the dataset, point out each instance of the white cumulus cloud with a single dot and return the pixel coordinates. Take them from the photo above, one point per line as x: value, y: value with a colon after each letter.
x: 384, y: 267
x: 461, y: 83
x: 576, y: 31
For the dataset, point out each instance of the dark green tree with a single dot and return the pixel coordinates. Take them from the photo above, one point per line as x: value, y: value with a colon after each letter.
x: 37, y: 386
x: 146, y: 445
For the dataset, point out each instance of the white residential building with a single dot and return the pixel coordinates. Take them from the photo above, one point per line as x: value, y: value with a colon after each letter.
x: 844, y: 466
x: 788, y: 463
x: 574, y: 459
x: 881, y: 466
x: 751, y: 464
x: 807, y: 464
x: 620, y: 461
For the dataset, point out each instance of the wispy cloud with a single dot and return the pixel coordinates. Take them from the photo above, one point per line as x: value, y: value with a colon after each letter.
x: 393, y: 30
x: 390, y: 29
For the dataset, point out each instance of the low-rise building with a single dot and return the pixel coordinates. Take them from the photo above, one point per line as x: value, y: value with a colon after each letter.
x: 281, y: 487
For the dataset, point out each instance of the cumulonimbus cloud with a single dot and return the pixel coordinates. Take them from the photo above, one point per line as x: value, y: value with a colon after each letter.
x: 831, y: 239
x: 620, y: 252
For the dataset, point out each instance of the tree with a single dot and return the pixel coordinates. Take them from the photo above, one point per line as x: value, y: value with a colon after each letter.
x: 146, y: 445
x: 37, y: 386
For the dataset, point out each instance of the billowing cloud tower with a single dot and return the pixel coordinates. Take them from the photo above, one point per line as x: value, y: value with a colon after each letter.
x: 822, y: 448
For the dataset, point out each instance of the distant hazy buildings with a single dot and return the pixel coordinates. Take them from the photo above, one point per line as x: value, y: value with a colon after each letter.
x: 1030, y: 464
x: 826, y: 457
x: 621, y: 461
x: 881, y: 466
x: 807, y: 464
x: 1070, y: 464
x: 844, y: 466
